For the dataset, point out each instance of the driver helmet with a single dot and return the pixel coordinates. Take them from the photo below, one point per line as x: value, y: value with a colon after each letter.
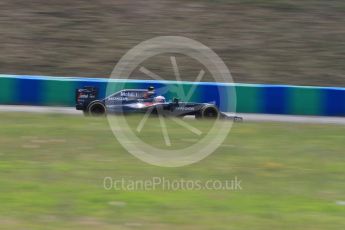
x: 159, y: 99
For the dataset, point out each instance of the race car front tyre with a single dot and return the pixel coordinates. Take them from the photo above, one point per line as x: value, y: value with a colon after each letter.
x: 96, y: 108
x: 208, y: 112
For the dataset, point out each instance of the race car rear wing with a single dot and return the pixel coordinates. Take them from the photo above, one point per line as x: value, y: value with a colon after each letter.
x: 85, y: 95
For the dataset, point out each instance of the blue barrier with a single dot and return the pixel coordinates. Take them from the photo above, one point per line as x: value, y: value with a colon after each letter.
x: 251, y: 98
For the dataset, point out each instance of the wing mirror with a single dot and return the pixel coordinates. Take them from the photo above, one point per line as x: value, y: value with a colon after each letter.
x: 175, y: 101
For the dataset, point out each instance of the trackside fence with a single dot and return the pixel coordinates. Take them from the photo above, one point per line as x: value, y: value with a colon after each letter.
x: 250, y: 98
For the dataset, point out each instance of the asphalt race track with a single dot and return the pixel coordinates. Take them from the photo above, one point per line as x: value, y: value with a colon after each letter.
x: 246, y: 117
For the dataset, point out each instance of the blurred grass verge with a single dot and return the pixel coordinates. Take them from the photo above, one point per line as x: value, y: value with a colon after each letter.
x: 261, y: 41
x: 52, y: 169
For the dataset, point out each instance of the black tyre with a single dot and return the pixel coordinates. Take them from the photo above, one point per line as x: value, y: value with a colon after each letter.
x: 96, y: 108
x: 208, y: 112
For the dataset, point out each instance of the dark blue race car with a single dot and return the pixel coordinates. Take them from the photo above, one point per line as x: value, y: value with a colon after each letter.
x: 136, y: 101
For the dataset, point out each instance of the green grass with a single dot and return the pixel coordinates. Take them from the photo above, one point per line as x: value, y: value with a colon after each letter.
x: 52, y: 169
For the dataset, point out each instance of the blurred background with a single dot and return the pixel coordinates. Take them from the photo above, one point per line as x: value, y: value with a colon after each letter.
x: 261, y: 41
x: 52, y: 166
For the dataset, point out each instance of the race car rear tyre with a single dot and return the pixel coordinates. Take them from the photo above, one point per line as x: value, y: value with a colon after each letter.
x: 208, y: 112
x: 96, y: 108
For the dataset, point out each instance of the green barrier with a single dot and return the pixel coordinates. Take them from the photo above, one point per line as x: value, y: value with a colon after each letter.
x: 59, y: 92
x: 7, y: 90
x: 251, y: 98
x: 305, y: 101
x: 247, y: 99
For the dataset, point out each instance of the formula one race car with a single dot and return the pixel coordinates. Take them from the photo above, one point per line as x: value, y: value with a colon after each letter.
x: 129, y: 101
